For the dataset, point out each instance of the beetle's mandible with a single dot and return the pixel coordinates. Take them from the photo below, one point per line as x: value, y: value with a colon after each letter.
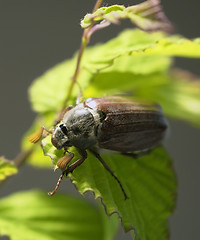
x: 112, y: 123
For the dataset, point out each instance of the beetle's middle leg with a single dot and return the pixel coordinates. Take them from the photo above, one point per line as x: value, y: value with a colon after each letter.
x: 110, y: 171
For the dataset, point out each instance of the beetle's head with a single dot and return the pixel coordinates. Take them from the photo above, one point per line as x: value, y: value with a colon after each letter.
x: 59, y: 137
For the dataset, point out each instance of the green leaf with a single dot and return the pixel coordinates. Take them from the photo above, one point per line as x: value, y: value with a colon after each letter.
x: 147, y: 16
x: 177, y: 92
x: 175, y: 46
x: 137, y: 47
x: 126, y: 82
x: 34, y: 215
x: 7, y: 168
x: 149, y: 183
x: 48, y: 92
x: 179, y: 96
x: 129, y: 57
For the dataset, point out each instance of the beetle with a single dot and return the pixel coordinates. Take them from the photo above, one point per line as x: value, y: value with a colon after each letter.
x: 131, y: 127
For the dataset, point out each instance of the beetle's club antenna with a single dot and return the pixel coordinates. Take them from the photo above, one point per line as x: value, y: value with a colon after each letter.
x: 38, y: 135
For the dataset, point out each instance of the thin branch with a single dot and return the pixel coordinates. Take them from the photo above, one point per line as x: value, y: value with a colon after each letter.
x: 97, y: 5
x: 84, y: 42
x: 21, y: 157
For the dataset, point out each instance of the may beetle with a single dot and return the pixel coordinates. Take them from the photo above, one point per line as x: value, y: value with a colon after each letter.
x: 112, y: 123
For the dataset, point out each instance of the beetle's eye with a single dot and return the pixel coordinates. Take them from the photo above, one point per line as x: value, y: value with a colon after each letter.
x: 63, y: 128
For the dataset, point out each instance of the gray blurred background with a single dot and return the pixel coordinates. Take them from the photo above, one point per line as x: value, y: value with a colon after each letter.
x: 36, y: 35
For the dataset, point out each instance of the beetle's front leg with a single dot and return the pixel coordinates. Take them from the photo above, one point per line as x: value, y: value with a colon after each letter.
x: 77, y: 163
x: 62, y: 164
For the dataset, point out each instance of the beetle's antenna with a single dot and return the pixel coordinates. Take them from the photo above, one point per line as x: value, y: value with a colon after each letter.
x: 38, y: 135
x: 57, y: 185
x: 110, y: 171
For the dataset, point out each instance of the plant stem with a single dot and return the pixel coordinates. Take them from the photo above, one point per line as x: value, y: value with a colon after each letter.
x: 84, y: 42
x: 97, y: 5
x: 21, y: 157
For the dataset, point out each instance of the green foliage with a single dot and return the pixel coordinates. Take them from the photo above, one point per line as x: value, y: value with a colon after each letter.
x: 51, y: 94
x: 149, y: 183
x: 7, y: 168
x: 179, y: 96
x: 33, y: 215
x: 174, y: 88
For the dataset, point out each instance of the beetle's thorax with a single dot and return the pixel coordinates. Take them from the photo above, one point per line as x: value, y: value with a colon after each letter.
x: 77, y: 128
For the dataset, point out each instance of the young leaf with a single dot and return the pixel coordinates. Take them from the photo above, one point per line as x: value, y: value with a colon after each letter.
x: 7, y: 168
x: 147, y: 16
x: 34, y: 215
x: 138, y: 47
x: 126, y: 53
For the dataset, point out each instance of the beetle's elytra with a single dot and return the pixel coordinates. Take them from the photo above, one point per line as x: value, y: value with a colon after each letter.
x: 112, y: 123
